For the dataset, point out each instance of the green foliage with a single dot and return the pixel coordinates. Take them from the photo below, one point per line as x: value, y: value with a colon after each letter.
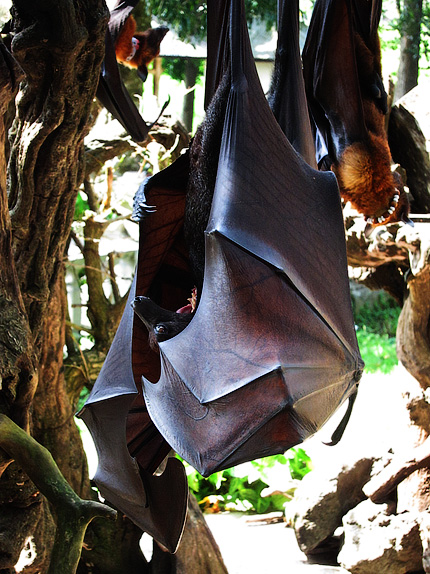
x: 188, y: 18
x: 378, y: 351
x: 231, y: 490
x: 81, y: 206
x: 400, y: 19
x: 376, y: 322
x: 300, y: 463
x: 85, y: 393
x: 378, y: 316
x: 175, y: 68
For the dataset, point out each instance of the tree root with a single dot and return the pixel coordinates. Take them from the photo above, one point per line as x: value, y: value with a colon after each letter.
x: 73, y: 513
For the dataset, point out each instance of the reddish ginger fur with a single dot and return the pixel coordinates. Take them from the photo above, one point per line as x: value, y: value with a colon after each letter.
x: 366, y: 180
x: 363, y: 169
x: 149, y: 44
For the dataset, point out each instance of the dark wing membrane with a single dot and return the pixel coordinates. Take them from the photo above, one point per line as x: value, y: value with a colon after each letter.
x: 273, y: 339
x: 217, y: 46
x: 119, y: 14
x: 287, y: 96
x: 331, y: 76
x: 145, y: 499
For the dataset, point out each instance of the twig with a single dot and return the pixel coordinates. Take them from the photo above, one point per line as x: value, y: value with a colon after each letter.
x: 80, y: 327
x: 93, y: 200
x: 267, y: 519
x: 109, y: 188
x: 73, y: 513
x: 114, y: 285
x: 77, y: 241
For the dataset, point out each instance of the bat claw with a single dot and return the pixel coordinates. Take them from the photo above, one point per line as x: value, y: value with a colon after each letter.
x: 141, y: 209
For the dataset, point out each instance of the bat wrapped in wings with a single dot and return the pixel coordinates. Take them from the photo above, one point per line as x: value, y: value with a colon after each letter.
x: 270, y: 352
x: 342, y: 71
x: 130, y: 448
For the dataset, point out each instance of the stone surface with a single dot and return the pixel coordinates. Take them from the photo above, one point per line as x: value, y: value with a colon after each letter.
x: 424, y: 524
x: 323, y: 498
x: 255, y: 548
x: 377, y: 541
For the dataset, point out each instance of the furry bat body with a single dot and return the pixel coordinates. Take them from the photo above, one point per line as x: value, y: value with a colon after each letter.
x: 163, y: 324
x: 342, y: 70
x: 204, y: 156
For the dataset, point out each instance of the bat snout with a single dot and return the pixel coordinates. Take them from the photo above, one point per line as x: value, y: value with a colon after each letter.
x: 146, y: 310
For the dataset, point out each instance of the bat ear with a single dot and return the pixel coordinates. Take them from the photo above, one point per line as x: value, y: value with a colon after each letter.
x: 142, y: 72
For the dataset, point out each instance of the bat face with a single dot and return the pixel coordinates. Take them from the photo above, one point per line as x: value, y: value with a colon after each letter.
x: 138, y: 49
x: 161, y: 323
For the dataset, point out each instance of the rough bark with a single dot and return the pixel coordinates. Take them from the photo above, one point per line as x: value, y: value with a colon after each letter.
x: 191, y: 73
x: 60, y: 46
x: 413, y: 335
x: 410, y: 32
x: 73, y: 514
x: 103, y: 315
x: 408, y: 148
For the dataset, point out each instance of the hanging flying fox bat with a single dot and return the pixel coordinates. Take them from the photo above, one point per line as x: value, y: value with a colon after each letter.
x: 342, y: 71
x: 138, y: 49
x: 271, y: 350
x: 111, y: 91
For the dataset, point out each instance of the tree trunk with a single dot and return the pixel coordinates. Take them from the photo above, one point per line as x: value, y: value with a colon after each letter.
x: 408, y: 148
x: 60, y: 46
x: 191, y: 73
x: 410, y: 32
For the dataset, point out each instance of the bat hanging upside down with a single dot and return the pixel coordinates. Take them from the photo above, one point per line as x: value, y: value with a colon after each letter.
x: 365, y: 178
x: 343, y: 79
x: 138, y: 49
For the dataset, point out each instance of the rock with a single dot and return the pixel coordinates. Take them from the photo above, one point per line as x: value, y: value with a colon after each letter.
x: 416, y: 102
x: 424, y: 523
x: 323, y: 498
x: 377, y: 541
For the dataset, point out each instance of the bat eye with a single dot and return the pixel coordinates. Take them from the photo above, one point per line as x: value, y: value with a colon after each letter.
x: 160, y: 329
